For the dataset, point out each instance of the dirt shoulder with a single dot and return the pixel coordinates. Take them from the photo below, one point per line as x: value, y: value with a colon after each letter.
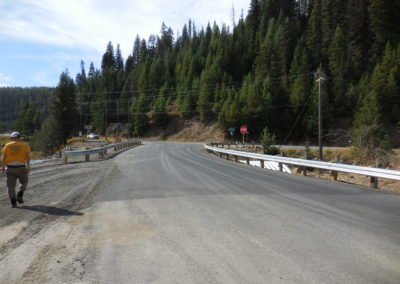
x: 35, y: 236
x: 56, y: 192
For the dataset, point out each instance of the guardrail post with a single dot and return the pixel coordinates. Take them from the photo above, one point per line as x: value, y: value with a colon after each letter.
x: 87, y: 159
x: 227, y: 156
x: 236, y: 159
x: 220, y: 155
x: 105, y: 151
x: 304, y: 171
x: 334, y: 175
x: 248, y: 161
x: 64, y: 157
x: 262, y: 164
x: 280, y: 167
x: 374, y: 182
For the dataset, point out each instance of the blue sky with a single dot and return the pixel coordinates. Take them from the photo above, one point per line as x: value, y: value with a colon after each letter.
x: 41, y: 38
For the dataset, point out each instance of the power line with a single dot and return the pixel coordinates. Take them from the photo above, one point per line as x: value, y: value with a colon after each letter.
x: 176, y: 96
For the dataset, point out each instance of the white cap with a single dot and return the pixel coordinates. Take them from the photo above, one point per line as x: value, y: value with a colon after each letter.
x: 15, y: 135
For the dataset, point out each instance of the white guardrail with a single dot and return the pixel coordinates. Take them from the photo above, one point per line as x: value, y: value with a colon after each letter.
x: 374, y: 173
x: 101, y: 150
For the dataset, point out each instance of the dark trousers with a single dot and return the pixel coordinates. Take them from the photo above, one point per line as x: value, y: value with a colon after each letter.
x: 14, y: 174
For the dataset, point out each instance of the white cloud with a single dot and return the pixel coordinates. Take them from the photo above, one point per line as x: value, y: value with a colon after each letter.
x: 5, y: 80
x: 90, y: 24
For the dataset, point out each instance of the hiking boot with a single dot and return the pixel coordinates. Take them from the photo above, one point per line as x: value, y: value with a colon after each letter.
x: 13, y: 202
x: 19, y: 197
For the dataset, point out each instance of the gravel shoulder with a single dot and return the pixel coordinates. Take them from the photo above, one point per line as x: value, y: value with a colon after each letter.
x: 36, y: 234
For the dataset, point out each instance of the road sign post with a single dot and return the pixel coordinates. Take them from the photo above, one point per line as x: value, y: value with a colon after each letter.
x: 231, y: 130
x: 243, y: 130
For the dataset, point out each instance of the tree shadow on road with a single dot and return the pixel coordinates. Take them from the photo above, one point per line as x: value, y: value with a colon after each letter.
x: 51, y: 210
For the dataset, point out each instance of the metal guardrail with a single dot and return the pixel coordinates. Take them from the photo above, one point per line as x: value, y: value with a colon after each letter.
x: 374, y: 173
x: 100, y: 150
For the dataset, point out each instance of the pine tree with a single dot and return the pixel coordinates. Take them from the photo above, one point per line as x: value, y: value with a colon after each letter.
x: 332, y: 16
x: 49, y: 138
x: 92, y: 70
x: 367, y: 130
x: 160, y: 115
x: 108, y: 60
x: 268, y: 141
x: 385, y: 82
x: 25, y: 120
x: 358, y: 36
x: 139, y: 117
x: 119, y: 62
x: 300, y: 71
x: 314, y: 32
x: 337, y: 68
x: 384, y: 22
x: 64, y: 106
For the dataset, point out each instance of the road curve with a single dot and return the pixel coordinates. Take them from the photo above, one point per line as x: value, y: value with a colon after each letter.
x: 170, y: 213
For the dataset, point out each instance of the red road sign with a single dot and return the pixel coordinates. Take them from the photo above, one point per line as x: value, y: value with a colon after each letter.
x: 243, y: 129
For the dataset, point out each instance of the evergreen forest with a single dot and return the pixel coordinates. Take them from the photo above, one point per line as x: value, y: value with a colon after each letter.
x: 266, y: 71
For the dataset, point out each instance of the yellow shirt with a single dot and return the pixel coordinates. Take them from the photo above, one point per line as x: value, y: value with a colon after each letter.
x: 15, y: 153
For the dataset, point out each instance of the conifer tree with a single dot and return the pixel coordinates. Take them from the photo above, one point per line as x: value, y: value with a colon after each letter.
x: 384, y: 22
x: 367, y: 130
x: 119, y: 62
x: 337, y: 68
x: 64, y: 107
x: 49, y: 138
x: 25, y: 121
x: 160, y: 115
x: 358, y: 36
x: 314, y: 32
x: 108, y: 60
x: 139, y: 117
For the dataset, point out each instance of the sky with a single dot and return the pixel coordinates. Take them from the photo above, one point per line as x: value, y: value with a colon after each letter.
x: 39, y: 39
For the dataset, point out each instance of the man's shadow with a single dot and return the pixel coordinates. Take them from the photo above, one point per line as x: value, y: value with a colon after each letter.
x: 51, y: 210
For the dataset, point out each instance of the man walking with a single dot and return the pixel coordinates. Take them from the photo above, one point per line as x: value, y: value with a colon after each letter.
x: 17, y: 160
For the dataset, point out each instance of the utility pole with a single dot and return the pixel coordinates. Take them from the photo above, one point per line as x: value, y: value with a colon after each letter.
x: 321, y: 77
x: 105, y: 124
x: 129, y: 110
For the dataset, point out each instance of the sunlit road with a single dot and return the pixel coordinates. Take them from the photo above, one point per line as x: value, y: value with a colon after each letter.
x: 171, y: 213
x: 182, y: 216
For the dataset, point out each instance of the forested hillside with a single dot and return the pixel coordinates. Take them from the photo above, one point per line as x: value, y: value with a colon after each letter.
x: 262, y: 72
x: 23, y: 108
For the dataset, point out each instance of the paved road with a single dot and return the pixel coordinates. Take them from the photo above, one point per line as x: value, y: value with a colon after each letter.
x: 170, y: 213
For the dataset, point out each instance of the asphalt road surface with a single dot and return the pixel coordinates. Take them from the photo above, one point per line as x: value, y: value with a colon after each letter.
x: 171, y: 213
